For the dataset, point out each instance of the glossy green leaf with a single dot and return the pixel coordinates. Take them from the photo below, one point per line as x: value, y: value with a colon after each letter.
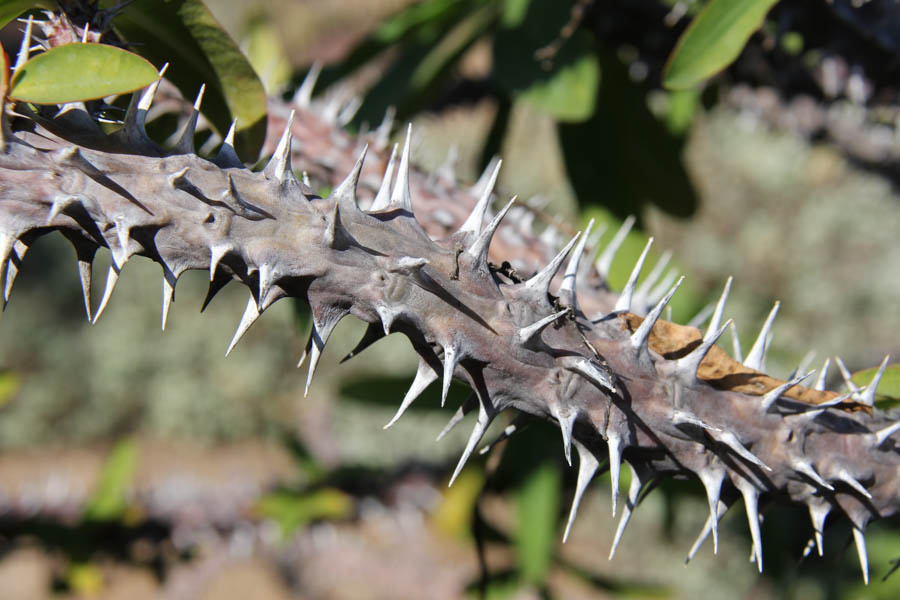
x: 109, y: 499
x: 888, y: 393
x: 713, y: 40
x: 10, y: 9
x: 185, y: 34
x: 76, y: 72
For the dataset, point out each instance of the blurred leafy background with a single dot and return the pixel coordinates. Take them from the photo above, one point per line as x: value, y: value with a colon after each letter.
x: 137, y: 464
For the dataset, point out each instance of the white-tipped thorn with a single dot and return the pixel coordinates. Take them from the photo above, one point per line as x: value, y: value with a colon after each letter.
x: 587, y: 468
x: 643, y: 290
x: 604, y: 261
x: 731, y: 440
x: 882, y: 435
x: 860, y: 540
x: 251, y: 313
x: 688, y: 366
x: 757, y: 357
x: 478, y: 190
x: 346, y: 191
x: 867, y: 396
x: 593, y: 373
x: 541, y: 281
x: 458, y: 416
x: 716, y: 319
x: 84, y: 276
x: 613, y: 443
x: 112, y: 277
x: 846, y: 477
x: 450, y: 361
x: 566, y: 423
x: 400, y: 197
x: 751, y: 504
x: 227, y: 155
x: 169, y: 280
x: 845, y: 373
x: 773, y: 395
x: 303, y: 95
x: 527, y: 334
x: 805, y: 468
x: 279, y: 166
x: 25, y: 46
x: 567, y: 291
x: 481, y: 246
x: 425, y: 376
x: 736, y: 344
x: 712, y: 483
x: 818, y: 512
x: 146, y: 100
x: 216, y: 253
x: 634, y: 492
x: 383, y: 133
x: 641, y: 335
x: 819, y: 385
x: 121, y: 254
x: 660, y: 289
x: 484, y: 420
x: 624, y: 301
x: 383, y: 197
x: 185, y: 144
x: 472, y: 225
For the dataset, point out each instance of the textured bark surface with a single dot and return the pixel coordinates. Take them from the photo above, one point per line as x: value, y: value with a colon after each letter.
x: 419, y: 259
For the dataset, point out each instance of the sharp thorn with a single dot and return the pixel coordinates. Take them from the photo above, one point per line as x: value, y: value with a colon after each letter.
x: 568, y: 289
x: 688, y: 366
x: 251, y: 313
x: 481, y: 425
x: 383, y: 197
x: 587, y: 468
x: 867, y: 397
x: 541, y: 281
x: 528, y: 334
x: 757, y: 357
x: 472, y: 224
x: 634, y: 492
x: 303, y: 95
x: 641, y: 336
x: 112, y: 276
x: 604, y: 261
x: 624, y: 301
x: 819, y: 385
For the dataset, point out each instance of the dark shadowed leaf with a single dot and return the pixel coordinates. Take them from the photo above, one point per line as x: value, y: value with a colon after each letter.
x: 623, y: 157
x: 76, y: 72
x: 562, y: 83
x: 185, y: 34
x: 713, y: 40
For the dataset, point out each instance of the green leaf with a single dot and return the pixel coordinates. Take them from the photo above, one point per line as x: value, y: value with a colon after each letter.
x: 76, y: 72
x: 888, y: 392
x: 713, y: 40
x: 564, y: 85
x: 537, y: 504
x: 10, y: 9
x: 109, y: 500
x: 569, y: 95
x: 293, y: 510
x: 185, y: 34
